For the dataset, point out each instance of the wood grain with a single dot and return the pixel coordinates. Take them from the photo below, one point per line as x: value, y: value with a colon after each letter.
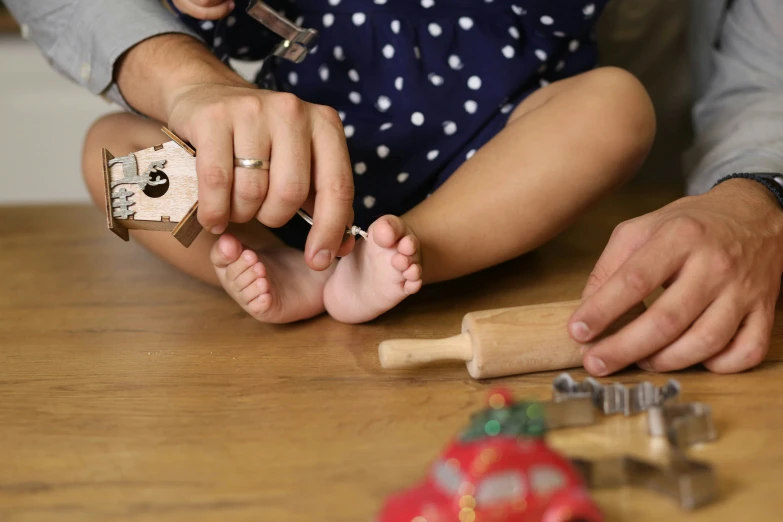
x: 179, y: 141
x: 129, y: 392
x: 189, y: 228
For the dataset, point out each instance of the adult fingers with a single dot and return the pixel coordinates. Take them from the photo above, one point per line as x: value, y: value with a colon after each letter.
x: 349, y: 241
x: 205, y: 9
x: 251, y: 141
x: 643, y: 272
x: 710, y: 334
x: 215, y: 169
x: 289, y: 172
x: 626, y: 238
x: 749, y: 346
x: 334, y: 190
x: 668, y: 317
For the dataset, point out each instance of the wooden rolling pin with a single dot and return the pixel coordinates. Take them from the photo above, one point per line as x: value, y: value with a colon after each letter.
x: 507, y: 341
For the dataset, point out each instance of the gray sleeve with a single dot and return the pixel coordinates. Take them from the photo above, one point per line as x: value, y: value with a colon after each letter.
x: 82, y: 39
x: 738, y: 119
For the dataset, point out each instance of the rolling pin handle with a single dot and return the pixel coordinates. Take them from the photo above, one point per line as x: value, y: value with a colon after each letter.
x: 404, y: 353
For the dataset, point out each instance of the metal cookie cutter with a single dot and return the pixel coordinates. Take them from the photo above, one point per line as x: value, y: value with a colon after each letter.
x: 297, y: 41
x: 690, y: 483
x: 682, y: 424
x: 569, y: 413
x: 615, y: 397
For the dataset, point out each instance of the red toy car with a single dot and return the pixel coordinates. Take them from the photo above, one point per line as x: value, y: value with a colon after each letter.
x: 500, y: 470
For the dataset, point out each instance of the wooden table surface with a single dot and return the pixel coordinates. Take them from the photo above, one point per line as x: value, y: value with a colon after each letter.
x: 129, y: 392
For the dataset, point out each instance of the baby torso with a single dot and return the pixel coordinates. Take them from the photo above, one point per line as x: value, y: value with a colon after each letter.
x: 420, y: 85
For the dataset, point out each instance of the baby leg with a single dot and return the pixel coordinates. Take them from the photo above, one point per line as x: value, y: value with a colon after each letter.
x: 269, y: 280
x: 565, y: 146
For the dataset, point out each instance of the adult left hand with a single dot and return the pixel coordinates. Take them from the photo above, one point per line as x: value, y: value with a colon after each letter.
x: 719, y: 257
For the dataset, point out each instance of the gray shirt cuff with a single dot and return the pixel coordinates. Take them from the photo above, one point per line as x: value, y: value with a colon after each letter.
x: 99, y: 32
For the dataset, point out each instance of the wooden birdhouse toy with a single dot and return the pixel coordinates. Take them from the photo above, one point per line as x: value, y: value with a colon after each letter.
x: 153, y: 189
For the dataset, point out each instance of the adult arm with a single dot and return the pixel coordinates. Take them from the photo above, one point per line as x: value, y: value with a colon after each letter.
x: 84, y: 39
x: 738, y: 118
x: 139, y: 55
x: 718, y: 252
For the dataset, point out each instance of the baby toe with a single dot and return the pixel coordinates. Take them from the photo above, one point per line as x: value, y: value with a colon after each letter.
x: 238, y: 267
x: 412, y: 273
x: 411, y: 287
x: 409, y: 245
x: 246, y: 278
x: 387, y: 230
x: 225, y: 251
x: 260, y: 305
x: 400, y: 262
x: 254, y: 290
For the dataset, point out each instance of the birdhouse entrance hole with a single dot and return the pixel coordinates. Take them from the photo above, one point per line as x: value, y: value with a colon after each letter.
x: 157, y: 191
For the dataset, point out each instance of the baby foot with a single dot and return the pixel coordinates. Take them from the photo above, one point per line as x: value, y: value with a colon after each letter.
x: 278, y: 288
x: 377, y: 275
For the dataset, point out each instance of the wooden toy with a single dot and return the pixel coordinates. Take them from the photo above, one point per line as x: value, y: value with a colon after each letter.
x: 157, y: 189
x: 153, y: 189
x: 499, y: 468
x: 496, y: 343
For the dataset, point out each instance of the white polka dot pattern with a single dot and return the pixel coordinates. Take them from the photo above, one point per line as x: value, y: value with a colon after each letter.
x: 400, y: 77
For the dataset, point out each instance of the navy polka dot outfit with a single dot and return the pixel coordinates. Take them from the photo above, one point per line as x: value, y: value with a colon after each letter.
x: 420, y: 85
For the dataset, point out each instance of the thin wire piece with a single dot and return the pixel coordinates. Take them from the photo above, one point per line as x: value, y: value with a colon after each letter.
x: 351, y: 231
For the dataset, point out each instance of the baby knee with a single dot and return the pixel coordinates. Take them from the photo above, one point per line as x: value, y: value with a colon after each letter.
x: 120, y: 133
x: 92, y: 165
x: 626, y: 110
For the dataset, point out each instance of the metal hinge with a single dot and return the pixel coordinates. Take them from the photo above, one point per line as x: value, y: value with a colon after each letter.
x: 297, y: 41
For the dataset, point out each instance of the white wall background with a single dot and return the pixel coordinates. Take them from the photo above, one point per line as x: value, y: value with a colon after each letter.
x: 43, y: 116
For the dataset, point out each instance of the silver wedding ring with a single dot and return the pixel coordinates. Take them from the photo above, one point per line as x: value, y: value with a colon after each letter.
x: 246, y: 163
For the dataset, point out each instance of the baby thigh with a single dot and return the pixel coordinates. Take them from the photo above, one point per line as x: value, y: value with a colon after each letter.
x: 611, y: 102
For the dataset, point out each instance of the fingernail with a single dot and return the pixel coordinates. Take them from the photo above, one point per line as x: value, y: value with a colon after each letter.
x: 218, y: 229
x: 323, y: 259
x: 595, y: 365
x: 580, y: 331
x: 644, y: 364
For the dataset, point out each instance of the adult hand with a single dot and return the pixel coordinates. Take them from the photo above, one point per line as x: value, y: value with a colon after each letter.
x: 719, y: 257
x: 174, y: 78
x: 310, y: 165
x: 205, y: 9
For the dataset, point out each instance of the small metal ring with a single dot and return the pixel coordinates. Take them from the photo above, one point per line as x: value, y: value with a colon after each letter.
x: 246, y: 163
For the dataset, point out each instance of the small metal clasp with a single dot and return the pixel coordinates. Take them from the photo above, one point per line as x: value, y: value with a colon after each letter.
x: 297, y: 42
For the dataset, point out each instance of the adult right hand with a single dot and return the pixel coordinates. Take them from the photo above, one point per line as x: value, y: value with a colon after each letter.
x: 310, y: 165
x: 719, y: 256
